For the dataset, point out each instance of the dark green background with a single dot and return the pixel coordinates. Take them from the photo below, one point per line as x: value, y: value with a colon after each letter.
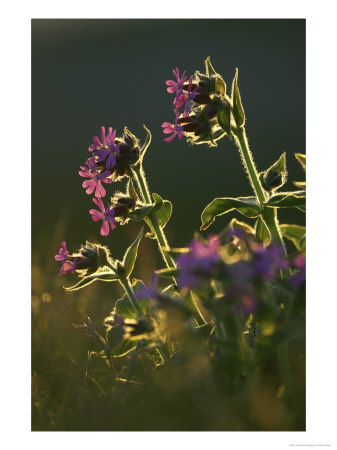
x: 88, y: 73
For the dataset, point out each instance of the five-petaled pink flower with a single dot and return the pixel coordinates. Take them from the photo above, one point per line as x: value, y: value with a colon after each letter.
x: 67, y: 266
x: 105, y: 149
x: 173, y: 128
x: 176, y: 86
x: 107, y: 215
x: 95, y: 178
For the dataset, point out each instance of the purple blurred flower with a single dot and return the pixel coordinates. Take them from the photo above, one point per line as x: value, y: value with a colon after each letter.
x: 95, y: 178
x: 67, y: 265
x: 198, y: 262
x: 105, y: 149
x: 268, y: 260
x: 298, y: 278
x: 107, y: 215
x: 175, y: 129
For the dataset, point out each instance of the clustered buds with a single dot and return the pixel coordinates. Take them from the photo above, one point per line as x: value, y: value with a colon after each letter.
x: 112, y: 158
x: 87, y: 261
x: 203, y: 96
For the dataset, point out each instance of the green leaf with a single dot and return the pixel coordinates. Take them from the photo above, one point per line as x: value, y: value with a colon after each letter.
x: 114, y: 336
x: 131, y: 254
x: 125, y: 308
x: 295, y: 234
x: 146, y: 144
x: 294, y: 199
x: 209, y: 68
x: 144, y: 303
x: 301, y: 158
x: 158, y: 202
x: 262, y: 232
x: 131, y: 192
x: 164, y: 213
x: 167, y: 272
x: 300, y: 184
x: 174, y: 252
x: 234, y: 223
x: 171, y: 290
x: 248, y: 206
x: 224, y: 117
x: 102, y: 276
x: 220, y: 85
x: 140, y: 213
x: 238, y: 111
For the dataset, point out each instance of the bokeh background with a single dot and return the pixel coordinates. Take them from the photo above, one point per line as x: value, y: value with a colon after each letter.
x: 88, y: 73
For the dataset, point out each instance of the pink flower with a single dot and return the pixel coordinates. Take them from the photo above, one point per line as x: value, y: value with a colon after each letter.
x: 107, y: 215
x: 176, y: 86
x: 173, y: 128
x: 68, y: 264
x: 95, y: 178
x: 106, y: 149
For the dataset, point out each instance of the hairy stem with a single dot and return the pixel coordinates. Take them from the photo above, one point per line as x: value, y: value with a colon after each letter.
x: 131, y: 296
x: 152, y: 219
x: 269, y: 215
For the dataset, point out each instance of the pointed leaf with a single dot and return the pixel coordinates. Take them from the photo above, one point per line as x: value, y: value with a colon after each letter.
x: 209, y: 68
x: 262, y: 232
x: 146, y: 143
x: 234, y: 223
x: 175, y: 251
x: 248, y: 206
x: 287, y: 200
x: 220, y: 85
x: 224, y: 117
x: 164, y: 213
x: 158, y: 202
x: 131, y: 192
x: 295, y: 234
x: 124, y: 308
x: 301, y: 158
x: 102, y: 276
x: 300, y: 184
x: 171, y: 290
x: 167, y: 272
x: 131, y: 254
x: 238, y: 112
x: 140, y: 213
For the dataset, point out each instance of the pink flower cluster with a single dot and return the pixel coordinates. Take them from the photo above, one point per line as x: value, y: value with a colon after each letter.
x: 184, y: 95
x: 98, y: 170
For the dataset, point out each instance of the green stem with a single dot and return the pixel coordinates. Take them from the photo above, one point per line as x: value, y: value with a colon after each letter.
x: 152, y: 219
x: 125, y: 282
x: 247, y: 159
x: 269, y: 215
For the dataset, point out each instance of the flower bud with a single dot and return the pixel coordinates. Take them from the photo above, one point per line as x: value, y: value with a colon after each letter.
x: 122, y: 206
x: 91, y: 257
x: 129, y: 153
x: 275, y: 176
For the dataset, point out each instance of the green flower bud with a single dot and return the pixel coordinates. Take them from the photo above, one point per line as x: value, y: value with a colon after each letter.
x: 275, y: 176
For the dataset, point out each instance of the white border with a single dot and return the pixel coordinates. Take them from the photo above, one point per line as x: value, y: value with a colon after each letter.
x: 321, y: 148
